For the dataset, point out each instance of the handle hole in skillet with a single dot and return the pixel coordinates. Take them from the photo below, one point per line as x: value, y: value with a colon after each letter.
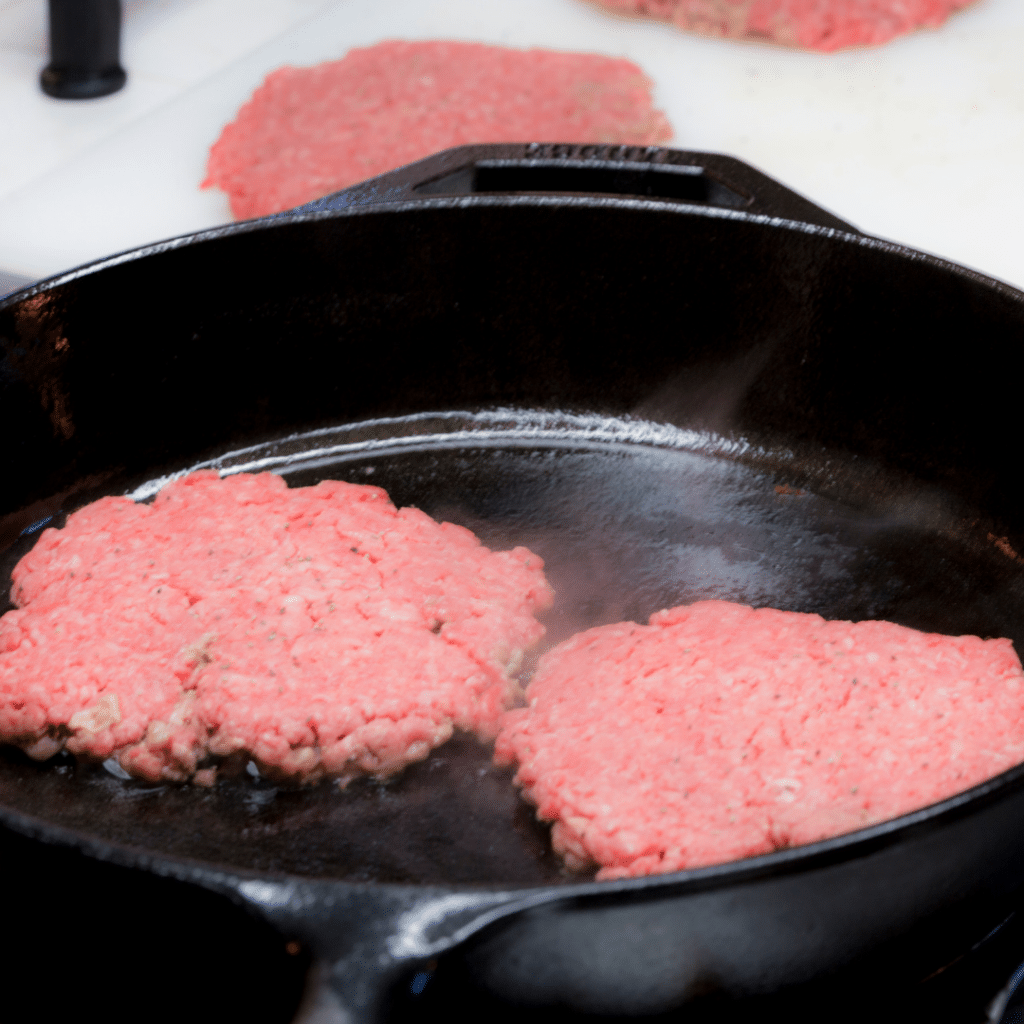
x: 670, y: 182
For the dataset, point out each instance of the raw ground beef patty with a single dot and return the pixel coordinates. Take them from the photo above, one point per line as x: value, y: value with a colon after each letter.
x: 307, y: 132
x: 813, y: 24
x: 318, y: 630
x: 719, y: 732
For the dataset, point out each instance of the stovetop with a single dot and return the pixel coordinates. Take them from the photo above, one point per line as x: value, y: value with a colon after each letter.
x: 981, y: 987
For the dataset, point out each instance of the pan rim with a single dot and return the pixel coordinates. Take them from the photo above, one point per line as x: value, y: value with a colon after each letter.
x: 565, y: 201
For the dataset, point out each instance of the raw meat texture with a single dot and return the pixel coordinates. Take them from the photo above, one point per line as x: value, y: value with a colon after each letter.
x: 307, y: 132
x: 318, y: 630
x: 719, y: 732
x: 813, y: 24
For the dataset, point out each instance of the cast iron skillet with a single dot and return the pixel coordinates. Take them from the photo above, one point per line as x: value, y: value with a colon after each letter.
x: 671, y: 377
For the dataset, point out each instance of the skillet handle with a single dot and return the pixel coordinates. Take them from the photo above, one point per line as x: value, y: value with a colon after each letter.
x: 646, y: 172
x: 365, y: 939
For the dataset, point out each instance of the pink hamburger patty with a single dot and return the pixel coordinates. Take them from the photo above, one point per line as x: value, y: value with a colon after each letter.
x: 319, y: 630
x: 813, y: 24
x: 718, y: 732
x: 307, y: 132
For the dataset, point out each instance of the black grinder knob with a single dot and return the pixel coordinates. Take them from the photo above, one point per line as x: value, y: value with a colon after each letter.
x: 85, y: 49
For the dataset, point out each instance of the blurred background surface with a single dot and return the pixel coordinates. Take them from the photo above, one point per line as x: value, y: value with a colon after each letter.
x: 920, y: 141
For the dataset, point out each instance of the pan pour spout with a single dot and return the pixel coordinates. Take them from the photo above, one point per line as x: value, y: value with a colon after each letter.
x: 365, y: 938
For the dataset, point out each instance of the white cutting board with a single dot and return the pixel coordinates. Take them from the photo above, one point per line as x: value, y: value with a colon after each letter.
x: 920, y: 141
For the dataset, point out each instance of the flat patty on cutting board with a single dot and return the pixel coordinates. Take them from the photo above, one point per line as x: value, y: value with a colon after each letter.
x: 307, y: 132
x: 318, y: 630
x: 719, y: 732
x: 812, y: 24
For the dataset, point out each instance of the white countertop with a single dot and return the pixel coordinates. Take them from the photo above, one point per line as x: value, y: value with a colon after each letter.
x: 920, y: 141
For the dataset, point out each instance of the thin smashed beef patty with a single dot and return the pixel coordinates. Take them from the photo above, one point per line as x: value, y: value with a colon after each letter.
x: 307, y: 132
x: 718, y: 732
x: 319, y: 630
x: 812, y: 24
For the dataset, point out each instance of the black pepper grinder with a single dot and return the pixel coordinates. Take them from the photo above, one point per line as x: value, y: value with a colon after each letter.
x: 85, y: 49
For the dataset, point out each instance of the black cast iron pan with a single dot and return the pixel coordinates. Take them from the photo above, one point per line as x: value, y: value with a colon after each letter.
x: 672, y: 378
